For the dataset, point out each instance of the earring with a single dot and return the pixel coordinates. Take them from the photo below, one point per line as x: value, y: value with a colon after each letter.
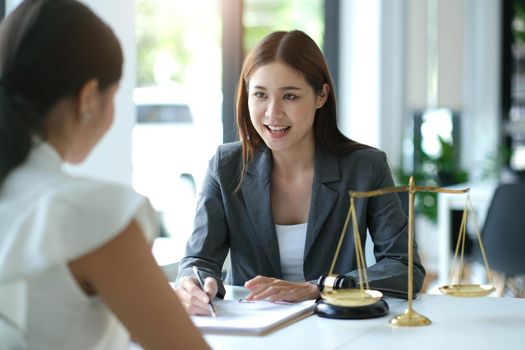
x: 86, y: 117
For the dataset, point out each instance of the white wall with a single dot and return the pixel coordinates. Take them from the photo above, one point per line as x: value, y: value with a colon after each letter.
x: 416, y: 59
x: 372, y: 83
x: 481, y: 103
x: 358, y: 103
x: 392, y: 79
x: 451, y: 33
x: 434, y: 41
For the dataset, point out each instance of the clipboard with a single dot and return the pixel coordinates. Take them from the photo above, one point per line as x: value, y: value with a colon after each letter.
x: 238, y: 317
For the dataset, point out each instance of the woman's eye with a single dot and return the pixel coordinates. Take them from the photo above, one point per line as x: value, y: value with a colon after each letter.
x: 289, y: 97
x: 259, y: 94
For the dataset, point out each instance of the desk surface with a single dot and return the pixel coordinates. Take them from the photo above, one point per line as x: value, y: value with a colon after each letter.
x: 480, y: 323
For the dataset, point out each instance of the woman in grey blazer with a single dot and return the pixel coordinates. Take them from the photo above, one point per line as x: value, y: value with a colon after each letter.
x: 277, y: 200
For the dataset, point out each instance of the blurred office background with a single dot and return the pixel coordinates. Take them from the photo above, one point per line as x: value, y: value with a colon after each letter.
x: 436, y: 84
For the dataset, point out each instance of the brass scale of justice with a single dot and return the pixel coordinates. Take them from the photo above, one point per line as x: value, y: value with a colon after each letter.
x: 337, y: 300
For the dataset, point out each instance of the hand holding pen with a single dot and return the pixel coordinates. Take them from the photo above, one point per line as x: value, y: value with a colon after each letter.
x: 201, y: 284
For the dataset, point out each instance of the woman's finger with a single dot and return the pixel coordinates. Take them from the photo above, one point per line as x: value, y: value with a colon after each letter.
x: 258, y: 280
x: 211, y: 287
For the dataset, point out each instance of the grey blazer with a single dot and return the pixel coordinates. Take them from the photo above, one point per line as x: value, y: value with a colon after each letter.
x: 242, y: 222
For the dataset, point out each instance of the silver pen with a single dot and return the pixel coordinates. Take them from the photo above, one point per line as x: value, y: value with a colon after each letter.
x: 201, y: 284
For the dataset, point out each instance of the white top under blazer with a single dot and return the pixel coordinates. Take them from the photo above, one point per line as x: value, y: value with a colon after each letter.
x: 47, y: 219
x: 291, y: 240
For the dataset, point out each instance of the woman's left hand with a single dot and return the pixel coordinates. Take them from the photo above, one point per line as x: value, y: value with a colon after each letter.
x: 274, y: 289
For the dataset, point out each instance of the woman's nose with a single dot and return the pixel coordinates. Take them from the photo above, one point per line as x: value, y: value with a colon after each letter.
x: 274, y: 110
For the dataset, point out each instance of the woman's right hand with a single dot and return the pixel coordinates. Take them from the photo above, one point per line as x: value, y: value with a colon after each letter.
x: 194, y: 300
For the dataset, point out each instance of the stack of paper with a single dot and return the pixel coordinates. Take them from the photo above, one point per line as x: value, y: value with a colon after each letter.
x: 255, y: 318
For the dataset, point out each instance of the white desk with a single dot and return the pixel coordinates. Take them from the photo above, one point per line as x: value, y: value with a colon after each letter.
x: 479, y: 323
x: 480, y: 196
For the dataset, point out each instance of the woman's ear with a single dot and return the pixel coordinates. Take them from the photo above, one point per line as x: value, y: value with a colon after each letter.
x: 323, y: 96
x: 87, y: 97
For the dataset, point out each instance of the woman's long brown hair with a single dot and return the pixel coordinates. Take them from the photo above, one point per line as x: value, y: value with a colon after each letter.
x: 298, y: 51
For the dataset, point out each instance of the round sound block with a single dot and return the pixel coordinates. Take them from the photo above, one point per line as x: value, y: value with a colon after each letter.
x: 377, y: 309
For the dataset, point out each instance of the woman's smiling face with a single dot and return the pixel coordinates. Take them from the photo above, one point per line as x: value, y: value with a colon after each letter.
x: 282, y: 106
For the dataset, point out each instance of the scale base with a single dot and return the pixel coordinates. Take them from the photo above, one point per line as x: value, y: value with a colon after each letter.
x: 377, y: 309
x: 410, y: 319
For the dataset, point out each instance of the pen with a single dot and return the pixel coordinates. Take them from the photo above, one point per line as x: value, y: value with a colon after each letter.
x: 201, y: 284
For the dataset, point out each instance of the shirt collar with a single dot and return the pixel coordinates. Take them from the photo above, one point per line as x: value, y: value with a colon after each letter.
x: 44, y: 155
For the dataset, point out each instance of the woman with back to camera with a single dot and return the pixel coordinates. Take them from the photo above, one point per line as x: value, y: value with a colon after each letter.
x: 78, y: 247
x: 277, y: 200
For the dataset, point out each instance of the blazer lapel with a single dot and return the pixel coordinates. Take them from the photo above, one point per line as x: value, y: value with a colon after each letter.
x: 327, y: 170
x: 256, y: 190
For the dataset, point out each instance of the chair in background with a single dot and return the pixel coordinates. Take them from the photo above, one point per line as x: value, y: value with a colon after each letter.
x: 503, y: 236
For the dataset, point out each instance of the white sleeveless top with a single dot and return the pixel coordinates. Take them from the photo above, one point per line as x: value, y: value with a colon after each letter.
x: 291, y: 240
x: 47, y: 219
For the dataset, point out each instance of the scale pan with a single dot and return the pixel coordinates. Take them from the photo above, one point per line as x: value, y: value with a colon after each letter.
x: 352, y: 297
x: 467, y: 290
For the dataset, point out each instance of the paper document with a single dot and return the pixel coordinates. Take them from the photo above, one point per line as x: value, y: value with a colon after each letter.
x: 255, y: 318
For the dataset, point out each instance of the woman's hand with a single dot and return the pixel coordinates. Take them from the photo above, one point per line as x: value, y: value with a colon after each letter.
x: 194, y: 300
x: 274, y: 289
